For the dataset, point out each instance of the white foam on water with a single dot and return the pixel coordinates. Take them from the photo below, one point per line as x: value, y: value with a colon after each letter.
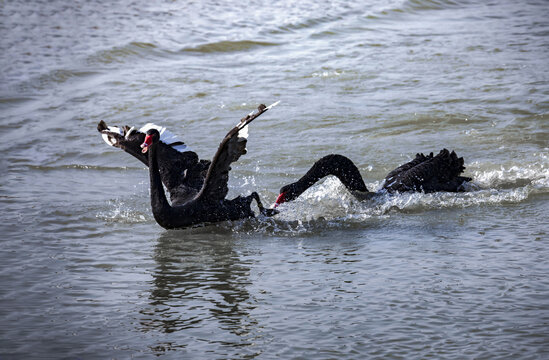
x: 531, y: 173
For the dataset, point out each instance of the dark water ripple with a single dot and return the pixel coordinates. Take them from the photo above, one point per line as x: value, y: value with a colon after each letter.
x: 87, y: 273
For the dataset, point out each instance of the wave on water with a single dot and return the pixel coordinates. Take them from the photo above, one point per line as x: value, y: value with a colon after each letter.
x: 46, y: 81
x: 115, y: 56
x: 416, y: 5
x: 228, y: 46
x: 88, y: 67
x: 116, y: 169
x: 127, y: 53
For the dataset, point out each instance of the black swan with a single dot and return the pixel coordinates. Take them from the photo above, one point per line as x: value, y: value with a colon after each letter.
x: 424, y: 173
x: 199, y: 187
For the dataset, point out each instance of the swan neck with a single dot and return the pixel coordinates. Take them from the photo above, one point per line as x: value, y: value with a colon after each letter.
x: 159, y: 202
x: 337, y: 165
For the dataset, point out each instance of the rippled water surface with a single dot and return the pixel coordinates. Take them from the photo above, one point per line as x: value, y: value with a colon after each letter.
x: 87, y: 273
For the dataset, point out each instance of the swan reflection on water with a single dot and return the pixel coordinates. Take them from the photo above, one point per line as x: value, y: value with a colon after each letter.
x: 199, y: 285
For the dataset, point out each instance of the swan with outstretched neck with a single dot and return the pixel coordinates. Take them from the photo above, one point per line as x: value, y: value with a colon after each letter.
x: 423, y: 174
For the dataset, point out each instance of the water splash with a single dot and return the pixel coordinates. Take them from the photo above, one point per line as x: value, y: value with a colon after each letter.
x: 126, y: 210
x: 536, y: 174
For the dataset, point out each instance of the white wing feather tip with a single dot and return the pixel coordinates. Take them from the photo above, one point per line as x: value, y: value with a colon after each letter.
x: 107, y: 138
x: 243, y: 133
x: 241, y: 123
x: 272, y: 105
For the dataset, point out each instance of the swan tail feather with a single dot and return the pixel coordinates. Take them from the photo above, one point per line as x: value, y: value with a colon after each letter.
x: 432, y: 173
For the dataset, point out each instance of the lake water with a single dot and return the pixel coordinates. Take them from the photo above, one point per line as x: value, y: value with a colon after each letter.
x: 86, y: 273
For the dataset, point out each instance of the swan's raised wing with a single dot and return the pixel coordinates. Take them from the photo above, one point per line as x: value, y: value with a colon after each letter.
x: 231, y: 148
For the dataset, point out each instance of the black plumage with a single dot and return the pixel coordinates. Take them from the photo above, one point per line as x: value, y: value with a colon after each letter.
x: 197, y: 188
x: 424, y: 173
x: 428, y: 174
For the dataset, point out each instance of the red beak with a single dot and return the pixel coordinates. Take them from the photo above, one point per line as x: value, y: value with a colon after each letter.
x: 148, y: 141
x: 279, y: 200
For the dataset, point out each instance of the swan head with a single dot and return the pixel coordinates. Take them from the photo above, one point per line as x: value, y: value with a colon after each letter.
x: 152, y: 136
x: 288, y: 193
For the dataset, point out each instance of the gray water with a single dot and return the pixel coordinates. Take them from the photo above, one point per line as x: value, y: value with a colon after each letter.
x: 86, y: 273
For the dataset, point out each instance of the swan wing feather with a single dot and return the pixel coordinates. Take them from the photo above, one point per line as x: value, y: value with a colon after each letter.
x: 231, y: 148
